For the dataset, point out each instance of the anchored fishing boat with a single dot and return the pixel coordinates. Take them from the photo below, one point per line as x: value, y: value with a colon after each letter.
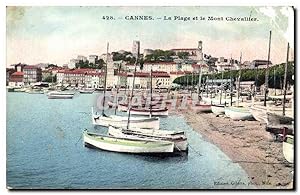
x: 149, y: 112
x: 288, y: 148
x: 127, y: 145
x: 60, y: 95
x: 180, y: 141
x: 86, y: 90
x: 121, y: 121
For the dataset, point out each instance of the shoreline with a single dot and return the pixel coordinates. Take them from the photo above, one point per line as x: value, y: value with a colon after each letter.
x: 248, y: 144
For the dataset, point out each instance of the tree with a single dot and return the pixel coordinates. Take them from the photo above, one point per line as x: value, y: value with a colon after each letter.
x: 250, y: 75
x: 183, y: 55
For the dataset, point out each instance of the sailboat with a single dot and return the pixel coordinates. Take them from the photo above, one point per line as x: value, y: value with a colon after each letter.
x: 274, y: 116
x: 176, y: 137
x: 238, y: 112
x: 149, y: 111
x: 219, y: 109
x: 200, y: 106
x: 121, y: 121
x: 121, y: 144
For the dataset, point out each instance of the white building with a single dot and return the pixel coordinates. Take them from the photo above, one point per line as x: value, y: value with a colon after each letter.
x: 143, y: 80
x: 83, y: 58
x: 93, y: 59
x: 60, y: 76
x: 148, y: 52
x: 94, y: 79
x: 160, y: 66
x: 224, y: 64
x: 136, y: 48
x: 73, y: 62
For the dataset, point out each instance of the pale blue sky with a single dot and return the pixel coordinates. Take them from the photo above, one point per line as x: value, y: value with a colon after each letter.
x: 57, y: 34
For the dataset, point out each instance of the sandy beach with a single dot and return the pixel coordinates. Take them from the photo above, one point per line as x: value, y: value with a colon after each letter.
x: 248, y: 144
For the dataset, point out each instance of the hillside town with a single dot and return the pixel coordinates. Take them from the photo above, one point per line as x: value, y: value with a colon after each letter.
x: 89, y: 71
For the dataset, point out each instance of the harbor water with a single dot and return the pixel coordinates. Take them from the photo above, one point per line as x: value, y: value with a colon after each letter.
x: 45, y: 151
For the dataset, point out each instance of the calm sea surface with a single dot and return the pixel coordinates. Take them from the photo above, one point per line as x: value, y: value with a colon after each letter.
x: 43, y: 151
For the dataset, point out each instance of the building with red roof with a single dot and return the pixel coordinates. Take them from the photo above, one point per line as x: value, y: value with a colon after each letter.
x: 32, y: 74
x: 16, y: 79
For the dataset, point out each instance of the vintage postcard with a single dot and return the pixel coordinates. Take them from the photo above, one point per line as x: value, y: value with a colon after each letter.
x: 155, y: 97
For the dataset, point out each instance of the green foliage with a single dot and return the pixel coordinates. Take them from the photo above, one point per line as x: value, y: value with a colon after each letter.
x: 160, y: 55
x: 50, y: 79
x: 247, y: 75
x: 52, y: 65
x: 85, y: 64
x: 183, y: 55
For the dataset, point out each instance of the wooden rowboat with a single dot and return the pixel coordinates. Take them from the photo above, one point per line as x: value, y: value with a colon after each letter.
x: 288, y: 148
x: 218, y: 109
x: 126, y: 145
x: 201, y: 107
x: 180, y: 141
x: 238, y: 113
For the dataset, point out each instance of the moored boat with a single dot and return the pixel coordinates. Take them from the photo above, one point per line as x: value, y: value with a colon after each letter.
x: 259, y: 114
x: 201, y: 107
x: 180, y: 141
x: 19, y: 89
x: 218, y: 109
x: 127, y: 145
x: 86, y: 90
x: 60, y: 95
x: 238, y: 113
x: 288, y: 148
x: 147, y: 112
x: 121, y: 121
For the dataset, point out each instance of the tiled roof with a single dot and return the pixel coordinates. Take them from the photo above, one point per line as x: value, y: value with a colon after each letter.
x: 17, y: 74
x: 31, y: 67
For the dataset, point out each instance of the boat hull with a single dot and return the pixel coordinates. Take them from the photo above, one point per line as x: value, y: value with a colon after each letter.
x: 259, y: 114
x: 120, y: 121
x: 180, y: 141
x: 146, y: 112
x: 122, y: 145
x: 238, y: 113
x: 122, y: 108
x: 218, y: 109
x: 288, y: 150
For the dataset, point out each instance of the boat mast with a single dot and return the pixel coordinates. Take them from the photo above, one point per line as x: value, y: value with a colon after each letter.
x: 199, y: 81
x: 285, y: 79
x: 221, y: 89
x: 256, y: 80
x: 212, y: 85
x: 200, y: 69
x: 267, y: 72
x: 151, y: 92
x: 231, y: 90
x: 239, y: 81
x: 117, y: 101
x: 103, y: 102
x: 137, y: 45
x: 274, y: 79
